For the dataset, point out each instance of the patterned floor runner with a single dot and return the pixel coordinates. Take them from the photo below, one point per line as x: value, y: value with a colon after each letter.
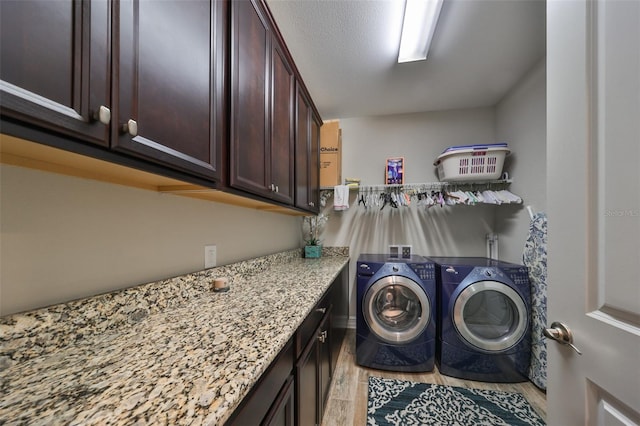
x: 399, y: 402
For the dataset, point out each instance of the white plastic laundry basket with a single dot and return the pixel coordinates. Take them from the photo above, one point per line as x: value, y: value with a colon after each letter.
x: 471, y: 162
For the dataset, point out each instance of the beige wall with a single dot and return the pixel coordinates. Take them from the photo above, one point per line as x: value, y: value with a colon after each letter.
x: 420, y: 138
x: 521, y: 120
x: 64, y: 238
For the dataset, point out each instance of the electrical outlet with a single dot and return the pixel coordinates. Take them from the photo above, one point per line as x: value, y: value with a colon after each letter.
x: 406, y: 252
x: 394, y: 252
x: 210, y: 254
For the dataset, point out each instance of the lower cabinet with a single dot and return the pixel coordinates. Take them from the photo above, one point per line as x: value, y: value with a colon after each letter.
x: 313, y: 375
x: 307, y: 386
x: 267, y: 402
x: 281, y: 412
x: 325, y: 372
x: 338, y: 297
x: 294, y: 389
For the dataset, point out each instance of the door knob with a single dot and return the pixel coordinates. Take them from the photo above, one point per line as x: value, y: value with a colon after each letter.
x: 561, y: 334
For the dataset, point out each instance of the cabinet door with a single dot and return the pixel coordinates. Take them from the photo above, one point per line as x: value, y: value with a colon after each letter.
x: 339, y: 297
x: 269, y: 400
x: 307, y: 177
x: 281, y: 412
x: 55, y: 65
x: 250, y: 54
x: 314, y: 164
x: 303, y: 145
x: 307, y: 390
x: 170, y: 82
x: 325, y: 373
x: 262, y: 98
x: 282, y: 125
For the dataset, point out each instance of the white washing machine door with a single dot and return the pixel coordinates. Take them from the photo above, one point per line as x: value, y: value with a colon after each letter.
x: 490, y: 315
x: 396, y: 308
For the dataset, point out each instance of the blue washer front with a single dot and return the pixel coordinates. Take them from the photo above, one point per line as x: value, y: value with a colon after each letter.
x: 396, y: 316
x: 484, y: 309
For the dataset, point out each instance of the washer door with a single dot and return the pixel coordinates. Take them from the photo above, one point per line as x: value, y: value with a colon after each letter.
x: 396, y: 309
x: 490, y: 315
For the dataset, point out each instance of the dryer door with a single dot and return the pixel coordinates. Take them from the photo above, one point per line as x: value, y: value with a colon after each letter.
x: 490, y: 315
x: 396, y: 309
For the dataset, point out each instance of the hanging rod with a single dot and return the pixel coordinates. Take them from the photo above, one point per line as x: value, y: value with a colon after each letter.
x: 434, y: 185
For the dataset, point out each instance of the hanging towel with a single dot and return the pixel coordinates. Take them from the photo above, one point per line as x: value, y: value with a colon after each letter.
x: 340, y: 197
x: 535, y: 258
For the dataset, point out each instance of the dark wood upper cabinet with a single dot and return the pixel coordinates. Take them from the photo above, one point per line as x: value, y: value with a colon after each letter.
x: 54, y: 66
x: 282, y: 125
x: 303, y: 146
x: 314, y: 163
x: 307, y: 177
x: 169, y: 85
x: 142, y: 77
x: 251, y: 41
x: 262, y: 87
x: 204, y: 91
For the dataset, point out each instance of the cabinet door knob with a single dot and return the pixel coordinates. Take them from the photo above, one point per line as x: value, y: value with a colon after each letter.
x: 312, y: 204
x: 103, y: 115
x: 277, y: 189
x: 131, y: 127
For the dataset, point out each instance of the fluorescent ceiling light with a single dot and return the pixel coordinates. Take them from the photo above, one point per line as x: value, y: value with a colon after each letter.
x: 420, y: 19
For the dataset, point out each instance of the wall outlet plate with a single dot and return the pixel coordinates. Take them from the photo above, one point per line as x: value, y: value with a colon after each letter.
x: 210, y: 256
x: 406, y: 251
x: 394, y: 252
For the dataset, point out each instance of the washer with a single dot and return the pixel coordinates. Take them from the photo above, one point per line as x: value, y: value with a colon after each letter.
x: 483, y: 330
x: 395, y: 325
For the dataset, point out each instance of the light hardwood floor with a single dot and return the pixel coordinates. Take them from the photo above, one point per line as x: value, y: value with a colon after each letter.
x: 347, y: 401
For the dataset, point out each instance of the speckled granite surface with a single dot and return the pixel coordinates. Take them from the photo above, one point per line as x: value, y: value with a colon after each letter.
x: 170, y: 352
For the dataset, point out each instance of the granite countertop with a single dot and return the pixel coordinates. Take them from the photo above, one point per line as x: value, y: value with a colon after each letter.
x: 170, y: 352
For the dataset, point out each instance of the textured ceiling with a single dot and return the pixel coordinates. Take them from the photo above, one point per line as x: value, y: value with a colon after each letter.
x: 347, y: 53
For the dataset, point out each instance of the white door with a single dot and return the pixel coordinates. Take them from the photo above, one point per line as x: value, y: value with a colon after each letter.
x: 593, y: 188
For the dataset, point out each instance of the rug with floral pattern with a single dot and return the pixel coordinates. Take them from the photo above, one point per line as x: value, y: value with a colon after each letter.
x: 400, y: 402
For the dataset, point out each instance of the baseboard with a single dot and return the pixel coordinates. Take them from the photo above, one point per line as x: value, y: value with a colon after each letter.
x: 351, y: 323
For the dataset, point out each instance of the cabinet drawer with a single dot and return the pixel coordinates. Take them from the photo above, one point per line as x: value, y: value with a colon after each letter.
x: 310, y: 324
x: 256, y: 405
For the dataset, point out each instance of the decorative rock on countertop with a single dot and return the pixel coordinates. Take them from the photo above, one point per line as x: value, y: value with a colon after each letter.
x: 169, y: 352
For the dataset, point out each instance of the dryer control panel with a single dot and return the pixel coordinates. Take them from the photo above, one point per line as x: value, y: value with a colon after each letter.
x: 518, y: 275
x: 425, y: 271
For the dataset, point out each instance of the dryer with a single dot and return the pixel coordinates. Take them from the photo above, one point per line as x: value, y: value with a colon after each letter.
x: 396, y: 313
x: 484, y: 309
